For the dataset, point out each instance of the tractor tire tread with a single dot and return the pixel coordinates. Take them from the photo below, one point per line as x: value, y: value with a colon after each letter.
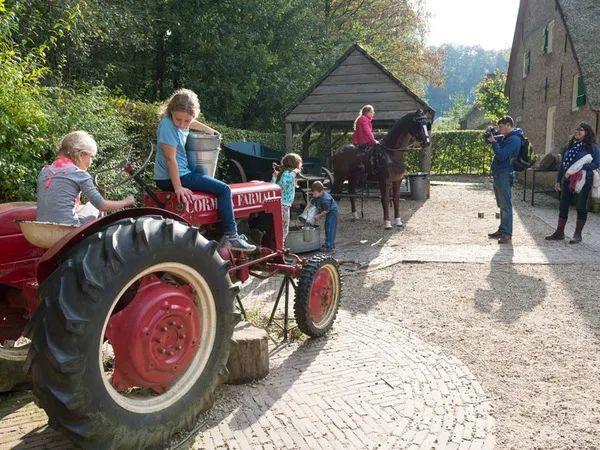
x: 59, y: 364
x: 302, y: 300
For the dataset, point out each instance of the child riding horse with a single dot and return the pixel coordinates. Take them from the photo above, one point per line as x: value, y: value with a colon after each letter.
x: 384, y: 163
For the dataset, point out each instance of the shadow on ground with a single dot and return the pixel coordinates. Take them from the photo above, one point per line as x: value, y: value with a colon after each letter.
x: 510, y: 294
x: 587, y: 304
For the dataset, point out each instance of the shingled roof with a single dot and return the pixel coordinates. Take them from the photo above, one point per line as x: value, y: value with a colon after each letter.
x: 582, y: 19
x: 355, y: 79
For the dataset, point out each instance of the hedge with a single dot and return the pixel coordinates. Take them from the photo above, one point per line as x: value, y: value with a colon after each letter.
x: 33, y: 119
x: 461, y: 152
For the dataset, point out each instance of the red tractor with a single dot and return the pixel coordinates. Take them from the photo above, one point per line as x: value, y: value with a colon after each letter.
x: 130, y: 317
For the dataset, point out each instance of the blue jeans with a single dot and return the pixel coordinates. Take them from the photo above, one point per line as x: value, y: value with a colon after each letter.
x: 331, y: 221
x: 566, y: 196
x: 199, y: 181
x: 503, y: 183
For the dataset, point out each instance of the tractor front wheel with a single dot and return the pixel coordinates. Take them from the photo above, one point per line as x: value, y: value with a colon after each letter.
x: 318, y: 295
x: 133, y: 334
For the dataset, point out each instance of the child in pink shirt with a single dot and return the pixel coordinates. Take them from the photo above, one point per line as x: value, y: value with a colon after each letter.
x: 363, y: 127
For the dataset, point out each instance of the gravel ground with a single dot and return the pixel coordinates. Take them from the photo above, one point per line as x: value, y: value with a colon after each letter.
x: 529, y: 332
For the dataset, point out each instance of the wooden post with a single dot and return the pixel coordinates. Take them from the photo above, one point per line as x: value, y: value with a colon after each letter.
x: 249, y: 360
x: 425, y: 159
x: 289, y: 137
x: 306, y: 143
x: 327, y: 131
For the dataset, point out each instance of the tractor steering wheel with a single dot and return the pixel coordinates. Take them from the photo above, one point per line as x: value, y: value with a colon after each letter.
x: 125, y: 166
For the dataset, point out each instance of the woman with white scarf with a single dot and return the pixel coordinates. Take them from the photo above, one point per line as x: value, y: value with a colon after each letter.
x: 575, y: 176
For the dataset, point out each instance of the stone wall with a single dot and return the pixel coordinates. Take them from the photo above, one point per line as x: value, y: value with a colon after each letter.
x: 532, y: 96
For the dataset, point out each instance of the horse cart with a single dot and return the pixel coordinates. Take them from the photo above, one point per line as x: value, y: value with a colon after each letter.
x: 130, y: 317
x: 254, y: 161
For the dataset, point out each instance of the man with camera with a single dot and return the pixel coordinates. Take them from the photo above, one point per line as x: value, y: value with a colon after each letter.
x: 506, y: 143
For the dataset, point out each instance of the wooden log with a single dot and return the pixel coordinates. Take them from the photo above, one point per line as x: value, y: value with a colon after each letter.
x: 249, y: 360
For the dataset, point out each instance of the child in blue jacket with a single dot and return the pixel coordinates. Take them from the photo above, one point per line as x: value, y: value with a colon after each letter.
x: 327, y: 207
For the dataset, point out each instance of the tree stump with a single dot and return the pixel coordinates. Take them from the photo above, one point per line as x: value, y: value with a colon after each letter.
x: 249, y: 360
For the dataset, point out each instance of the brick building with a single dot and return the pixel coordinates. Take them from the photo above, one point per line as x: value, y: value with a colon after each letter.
x: 554, y: 70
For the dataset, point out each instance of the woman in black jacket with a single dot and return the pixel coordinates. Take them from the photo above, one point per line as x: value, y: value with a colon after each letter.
x: 582, y: 143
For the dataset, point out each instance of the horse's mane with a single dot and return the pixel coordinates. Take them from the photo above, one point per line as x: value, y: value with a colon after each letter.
x: 390, y: 138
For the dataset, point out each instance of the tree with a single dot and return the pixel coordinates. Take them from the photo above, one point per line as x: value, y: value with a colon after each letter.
x: 247, y: 60
x: 451, y: 119
x: 491, y: 98
x: 463, y: 68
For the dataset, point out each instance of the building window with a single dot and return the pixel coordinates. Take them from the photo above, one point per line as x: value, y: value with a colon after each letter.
x: 550, y: 121
x: 523, y: 98
x: 546, y: 91
x: 561, y: 81
x: 526, y: 63
x: 566, y: 41
x: 579, y: 98
x: 547, y: 38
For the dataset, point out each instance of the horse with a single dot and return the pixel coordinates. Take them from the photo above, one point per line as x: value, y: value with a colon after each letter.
x: 383, y: 163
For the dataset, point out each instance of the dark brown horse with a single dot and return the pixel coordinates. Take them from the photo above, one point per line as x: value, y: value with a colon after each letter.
x: 383, y: 162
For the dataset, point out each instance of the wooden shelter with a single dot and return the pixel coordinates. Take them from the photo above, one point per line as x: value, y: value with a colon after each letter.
x: 333, y: 102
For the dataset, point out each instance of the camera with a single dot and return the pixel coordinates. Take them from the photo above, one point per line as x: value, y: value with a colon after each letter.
x: 489, y: 133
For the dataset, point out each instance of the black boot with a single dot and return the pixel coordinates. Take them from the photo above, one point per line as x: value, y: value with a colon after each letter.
x: 495, y: 234
x: 578, y: 228
x: 559, y: 234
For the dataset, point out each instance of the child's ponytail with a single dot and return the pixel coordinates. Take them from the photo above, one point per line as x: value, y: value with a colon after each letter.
x: 364, y: 110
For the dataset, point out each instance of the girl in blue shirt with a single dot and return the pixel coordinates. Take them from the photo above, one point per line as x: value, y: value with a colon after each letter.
x: 171, y: 169
x: 285, y: 176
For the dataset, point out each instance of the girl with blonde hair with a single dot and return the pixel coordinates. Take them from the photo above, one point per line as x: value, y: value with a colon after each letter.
x: 171, y: 168
x: 363, y: 127
x: 60, y: 184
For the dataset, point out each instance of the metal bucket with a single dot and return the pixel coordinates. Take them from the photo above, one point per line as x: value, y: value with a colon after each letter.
x: 203, y: 152
x: 297, y: 244
x: 308, y: 215
x: 308, y: 233
x: 419, y: 186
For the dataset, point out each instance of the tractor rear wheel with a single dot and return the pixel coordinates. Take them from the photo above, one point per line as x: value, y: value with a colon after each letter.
x: 133, y: 334
x: 318, y: 295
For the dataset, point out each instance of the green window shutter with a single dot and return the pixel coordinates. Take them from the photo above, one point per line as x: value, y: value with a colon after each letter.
x: 545, y: 40
x: 581, y: 99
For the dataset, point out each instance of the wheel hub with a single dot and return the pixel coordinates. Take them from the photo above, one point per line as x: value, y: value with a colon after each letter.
x: 155, y: 337
x: 321, y: 295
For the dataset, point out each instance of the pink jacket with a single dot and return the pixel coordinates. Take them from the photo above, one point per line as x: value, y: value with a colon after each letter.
x: 364, y: 131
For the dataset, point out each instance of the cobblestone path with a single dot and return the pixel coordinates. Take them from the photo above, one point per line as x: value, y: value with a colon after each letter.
x: 370, y: 383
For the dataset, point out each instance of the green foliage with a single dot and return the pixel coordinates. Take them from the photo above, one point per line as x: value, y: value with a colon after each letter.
x: 247, y: 60
x: 491, y: 97
x: 461, y: 152
x: 464, y: 67
x: 23, y: 121
x: 451, y: 119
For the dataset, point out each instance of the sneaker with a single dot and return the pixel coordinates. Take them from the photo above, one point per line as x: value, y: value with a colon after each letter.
x: 239, y: 242
x: 505, y: 239
x: 495, y: 235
